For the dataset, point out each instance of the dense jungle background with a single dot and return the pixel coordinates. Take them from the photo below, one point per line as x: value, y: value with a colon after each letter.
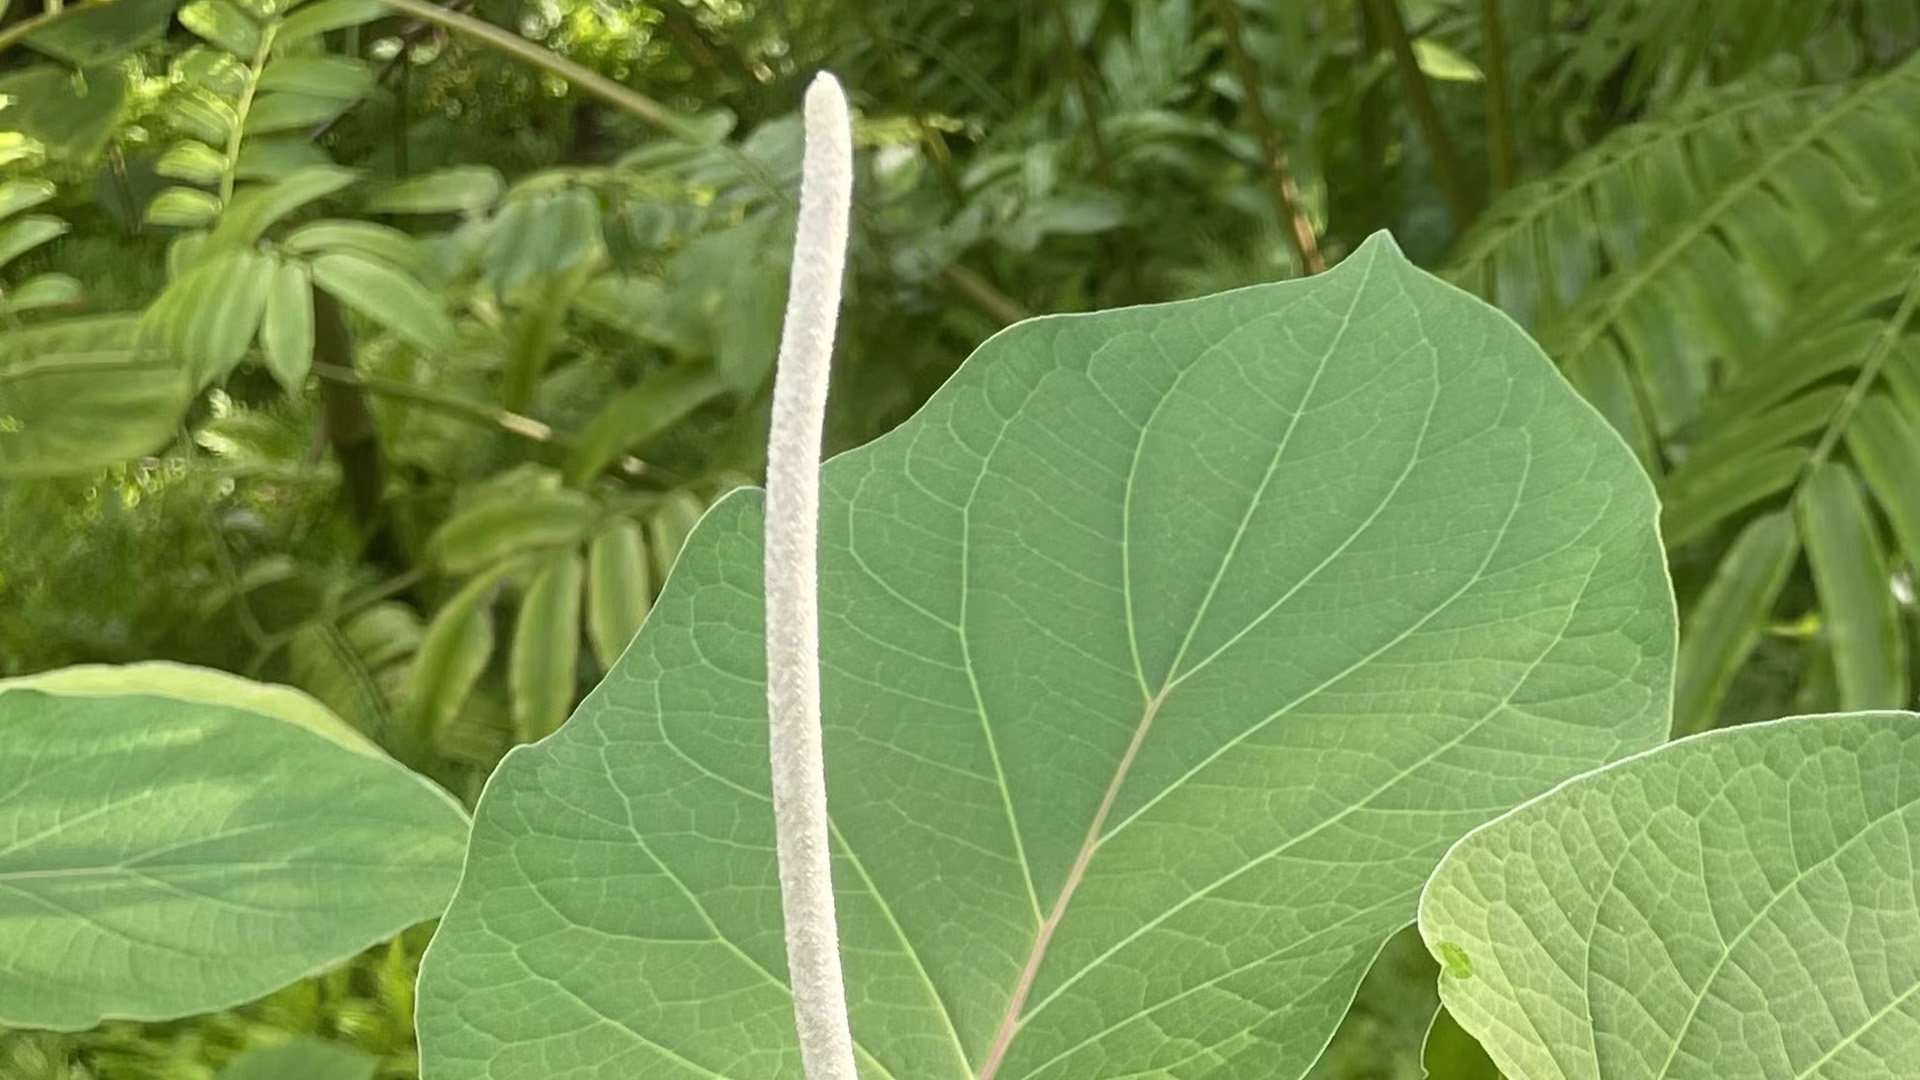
x: 369, y: 348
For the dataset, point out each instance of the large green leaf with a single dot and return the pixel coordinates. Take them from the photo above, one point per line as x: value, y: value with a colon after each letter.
x: 1735, y: 906
x: 175, y: 841
x: 1166, y: 651
x: 76, y: 395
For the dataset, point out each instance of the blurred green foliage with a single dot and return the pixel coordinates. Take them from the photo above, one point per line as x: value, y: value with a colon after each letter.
x: 331, y: 339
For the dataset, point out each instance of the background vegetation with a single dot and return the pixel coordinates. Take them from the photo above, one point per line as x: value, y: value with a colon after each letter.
x: 343, y: 345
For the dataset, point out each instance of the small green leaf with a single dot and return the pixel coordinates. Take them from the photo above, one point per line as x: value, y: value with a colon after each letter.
x: 1886, y: 449
x: 208, y: 317
x: 103, y: 33
x: 479, y: 536
x: 154, y: 841
x: 71, y: 114
x: 76, y: 396
x: 337, y: 78
x: 19, y: 195
x: 660, y: 400
x: 192, y: 161
x: 44, y: 291
x: 619, y: 591
x: 386, y: 295
x: 182, y: 208
x: 382, y: 242
x: 273, y: 160
x: 454, y: 653
x: 24, y: 234
x: 222, y: 24
x: 285, y: 111
x: 668, y: 527
x: 201, y: 116
x: 463, y: 189
x: 546, y: 649
x: 258, y: 209
x: 1438, y: 61
x: 1733, y: 906
x: 1850, y: 570
x: 286, y: 330
x: 1722, y: 629
x: 320, y: 16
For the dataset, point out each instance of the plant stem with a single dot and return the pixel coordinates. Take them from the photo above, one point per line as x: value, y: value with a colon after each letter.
x: 1503, y: 145
x: 1391, y: 24
x: 1286, y: 193
x: 793, y: 616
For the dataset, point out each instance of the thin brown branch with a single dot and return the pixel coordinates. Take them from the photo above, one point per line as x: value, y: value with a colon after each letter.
x: 1391, y: 23
x: 1286, y: 192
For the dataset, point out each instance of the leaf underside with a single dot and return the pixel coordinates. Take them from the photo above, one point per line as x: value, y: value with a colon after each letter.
x: 1735, y: 906
x: 1165, y: 652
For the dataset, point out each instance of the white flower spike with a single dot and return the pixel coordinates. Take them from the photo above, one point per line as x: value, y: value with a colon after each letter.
x: 793, y: 617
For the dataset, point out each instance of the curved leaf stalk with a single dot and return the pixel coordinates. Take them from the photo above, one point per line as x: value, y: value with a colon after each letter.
x: 1286, y: 192
x: 793, y: 617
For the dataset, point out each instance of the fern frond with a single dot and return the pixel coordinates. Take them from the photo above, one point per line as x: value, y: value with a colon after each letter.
x: 1720, y: 281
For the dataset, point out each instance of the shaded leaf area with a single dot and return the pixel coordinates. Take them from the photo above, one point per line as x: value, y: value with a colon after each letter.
x: 175, y: 841
x: 1165, y: 652
x: 1736, y: 905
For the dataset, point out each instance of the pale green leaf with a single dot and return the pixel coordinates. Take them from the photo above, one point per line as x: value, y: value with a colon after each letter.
x: 43, y: 291
x: 387, y: 295
x: 18, y: 195
x: 454, y: 653
x: 75, y: 395
x: 1165, y: 653
x: 286, y: 328
x: 1736, y: 906
x: 320, y: 16
x: 337, y: 78
x: 208, y: 317
x: 285, y: 111
x: 1856, y: 590
x: 258, y: 209
x: 497, y: 528
x: 182, y: 208
x: 546, y: 648
x: 382, y: 242
x: 222, y: 24
x: 1886, y: 449
x: 460, y: 189
x: 1723, y: 627
x: 619, y: 590
x: 166, y: 856
x: 23, y: 235
x: 192, y: 161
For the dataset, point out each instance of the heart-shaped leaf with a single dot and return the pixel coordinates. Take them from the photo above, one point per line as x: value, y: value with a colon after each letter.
x: 1739, y: 905
x: 176, y: 840
x: 1166, y: 651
